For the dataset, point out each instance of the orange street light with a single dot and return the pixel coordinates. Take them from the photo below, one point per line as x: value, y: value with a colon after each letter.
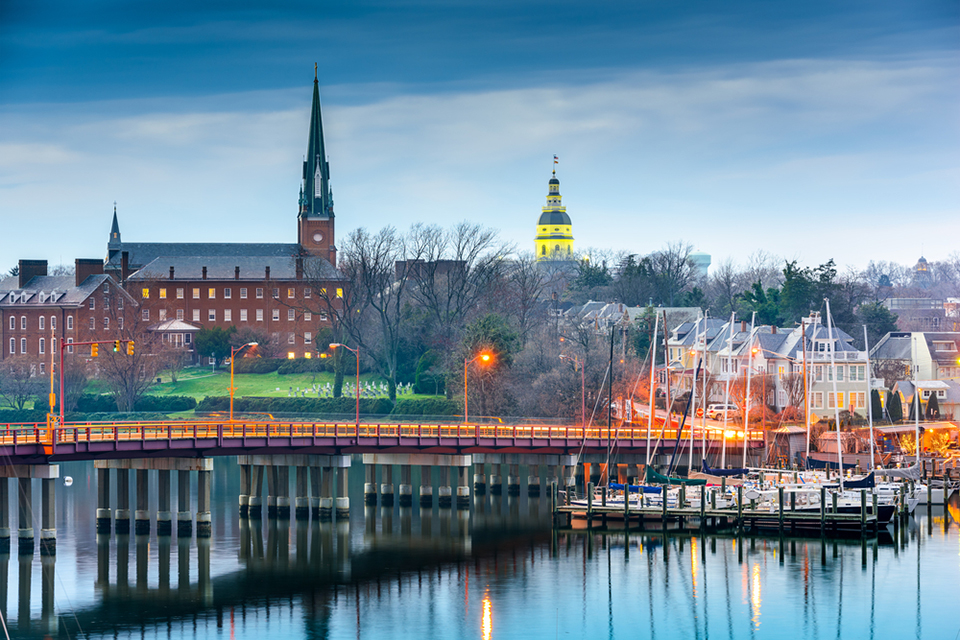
x: 482, y: 357
x: 233, y: 354
x: 356, y: 352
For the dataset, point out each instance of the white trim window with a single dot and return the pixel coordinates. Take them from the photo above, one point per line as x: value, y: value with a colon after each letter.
x: 42, y: 346
x: 212, y: 315
x: 196, y: 315
x: 276, y: 314
x: 291, y: 315
x: 23, y: 345
x: 13, y: 323
x: 42, y: 323
x: 228, y: 315
x: 13, y: 345
x: 243, y: 315
x: 259, y: 315
x: 69, y: 323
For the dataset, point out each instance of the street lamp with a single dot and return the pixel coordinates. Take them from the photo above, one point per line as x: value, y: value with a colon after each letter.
x: 356, y: 352
x: 233, y: 354
x: 583, y: 390
x: 482, y: 357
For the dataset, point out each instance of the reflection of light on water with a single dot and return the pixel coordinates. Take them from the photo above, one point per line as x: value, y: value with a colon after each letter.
x: 755, y: 596
x: 693, y: 564
x: 486, y: 623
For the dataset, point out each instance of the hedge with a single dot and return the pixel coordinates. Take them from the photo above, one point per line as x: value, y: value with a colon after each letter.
x: 88, y: 403
x: 302, y: 365
x: 426, y: 407
x: 8, y: 416
x: 344, y: 405
x: 257, y: 365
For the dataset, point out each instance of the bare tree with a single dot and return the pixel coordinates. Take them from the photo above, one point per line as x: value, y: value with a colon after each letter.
x: 672, y: 270
x: 19, y: 382
x: 524, y: 287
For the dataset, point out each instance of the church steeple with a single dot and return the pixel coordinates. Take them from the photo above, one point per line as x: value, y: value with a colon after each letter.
x: 114, y: 243
x: 317, y: 198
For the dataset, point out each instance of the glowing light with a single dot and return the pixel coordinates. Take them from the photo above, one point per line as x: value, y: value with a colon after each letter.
x: 291, y: 355
x: 729, y: 434
x: 485, y: 357
x: 486, y: 622
x: 755, y: 596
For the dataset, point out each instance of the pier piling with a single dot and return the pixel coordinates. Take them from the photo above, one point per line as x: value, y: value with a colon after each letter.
x: 406, y: 485
x: 164, y: 516
x: 122, y: 519
x: 184, y: 516
x: 141, y: 517
x: 103, y: 500
x: 386, y: 485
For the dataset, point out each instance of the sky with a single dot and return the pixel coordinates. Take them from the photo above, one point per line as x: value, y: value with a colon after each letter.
x: 809, y: 131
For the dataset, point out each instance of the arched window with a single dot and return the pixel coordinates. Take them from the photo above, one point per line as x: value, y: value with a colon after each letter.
x: 43, y: 346
x: 43, y: 323
x: 543, y: 250
x: 70, y: 323
x: 53, y: 322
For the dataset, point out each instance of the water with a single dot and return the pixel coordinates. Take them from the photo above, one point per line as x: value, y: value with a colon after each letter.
x: 498, y: 572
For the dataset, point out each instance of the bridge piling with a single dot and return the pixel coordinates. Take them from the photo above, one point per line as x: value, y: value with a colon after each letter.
x: 244, y: 499
x: 104, y: 519
x: 283, y: 492
x: 463, y: 488
x: 255, y: 501
x: 272, y: 481
x: 479, y: 480
x: 343, y: 499
x: 426, y: 486
x: 315, y: 491
x: 406, y: 485
x: 496, y: 480
x: 533, y: 481
x: 141, y: 522
x: 370, y: 484
x: 184, y: 517
x: 25, y: 501
x: 164, y: 515
x: 122, y: 519
x: 326, y: 495
x: 4, y: 516
x: 204, y: 523
x: 513, y: 480
x: 386, y: 486
x: 48, y: 517
x: 301, y: 501
x: 444, y: 500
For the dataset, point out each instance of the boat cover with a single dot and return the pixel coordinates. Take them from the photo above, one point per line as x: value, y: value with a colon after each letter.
x: 659, y: 478
x: 724, y: 472
x: 863, y: 483
x: 909, y: 473
x: 813, y: 463
x: 635, y: 488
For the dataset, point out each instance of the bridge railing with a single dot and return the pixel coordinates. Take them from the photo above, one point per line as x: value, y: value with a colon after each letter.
x: 179, y: 430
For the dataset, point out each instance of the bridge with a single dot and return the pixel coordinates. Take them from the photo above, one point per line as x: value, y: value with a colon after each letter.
x: 320, y: 455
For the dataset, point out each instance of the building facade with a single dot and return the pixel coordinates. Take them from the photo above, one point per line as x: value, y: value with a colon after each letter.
x: 554, y: 240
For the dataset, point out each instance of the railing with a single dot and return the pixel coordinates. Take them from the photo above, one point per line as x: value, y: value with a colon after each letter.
x: 39, y: 433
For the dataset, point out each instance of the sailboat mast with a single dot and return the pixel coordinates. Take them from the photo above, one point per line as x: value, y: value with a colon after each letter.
x: 866, y: 346
x: 703, y: 418
x: 726, y: 398
x: 693, y: 397
x: 806, y: 400
x: 746, y: 404
x: 833, y: 374
x: 916, y: 402
x: 653, y: 371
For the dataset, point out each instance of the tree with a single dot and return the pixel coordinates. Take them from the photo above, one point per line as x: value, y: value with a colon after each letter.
x: 933, y: 408
x: 765, y: 303
x: 894, y: 407
x: 876, y: 406
x: 214, y: 343
x: 525, y: 284
x: 878, y: 319
x: 267, y: 345
x: 673, y: 272
x: 591, y: 275
x: 19, y: 382
x: 490, y: 334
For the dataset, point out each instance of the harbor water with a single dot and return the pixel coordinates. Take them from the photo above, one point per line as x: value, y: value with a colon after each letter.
x: 497, y: 570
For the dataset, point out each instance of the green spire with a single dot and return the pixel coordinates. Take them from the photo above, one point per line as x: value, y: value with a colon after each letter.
x: 317, y: 198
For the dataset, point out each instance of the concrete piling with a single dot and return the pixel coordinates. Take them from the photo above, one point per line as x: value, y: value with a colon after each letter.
x: 25, y: 502
x: 370, y: 484
x: 104, y: 516
x: 184, y: 516
x: 386, y: 486
x: 272, y: 482
x: 426, y: 486
x: 533, y: 481
x: 122, y: 519
x: 326, y: 495
x: 255, y: 501
x: 496, y: 480
x: 141, y: 517
x: 283, y: 492
x: 164, y: 515
x: 204, y: 521
x: 48, y: 517
x: 479, y: 480
x: 343, y: 499
x: 463, y: 488
x: 513, y: 480
x: 301, y: 500
x: 444, y: 494
x: 315, y: 491
x: 406, y: 485
x: 4, y: 516
x: 244, y: 499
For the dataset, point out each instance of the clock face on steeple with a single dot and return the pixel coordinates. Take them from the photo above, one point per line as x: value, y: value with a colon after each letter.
x: 318, y: 237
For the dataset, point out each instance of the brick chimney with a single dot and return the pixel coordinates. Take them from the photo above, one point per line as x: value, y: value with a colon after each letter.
x: 773, y: 329
x: 204, y: 276
x: 171, y: 273
x: 743, y: 326
x: 236, y: 273
x: 266, y: 274
x: 86, y: 267
x: 124, y: 266
x: 31, y: 268
x: 299, y: 268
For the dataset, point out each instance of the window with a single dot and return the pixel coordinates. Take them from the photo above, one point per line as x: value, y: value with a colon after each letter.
x: 291, y: 292
x: 145, y: 314
x: 858, y: 400
x: 106, y: 303
x: 307, y: 337
x: 13, y: 323
x: 13, y: 345
x: 187, y: 338
x: 180, y: 293
x: 163, y: 314
x: 120, y: 322
x: 212, y: 315
x: 42, y: 346
x: 53, y: 345
x: 291, y: 339
x: 291, y: 314
x: 196, y: 315
x: 70, y: 323
x: 119, y: 302
x: 163, y: 294
x: 228, y: 315
x: 93, y: 303
x: 179, y: 314
x: 196, y: 293
x: 43, y: 367
x: 840, y: 371
x: 243, y: 293
x: 106, y: 287
x: 259, y: 293
x: 276, y: 292
x: 339, y: 293
x: 144, y: 293
x: 69, y: 349
x: 839, y: 400
x: 42, y: 323
x: 259, y: 315
x: 276, y: 314
x: 291, y: 355
x: 23, y: 323
x: 106, y: 323
x: 211, y: 293
x: 306, y: 292
x: 227, y: 293
x: 23, y: 345
x: 53, y: 322
x: 858, y: 372
x: 307, y: 316
x: 243, y: 315
x: 323, y: 316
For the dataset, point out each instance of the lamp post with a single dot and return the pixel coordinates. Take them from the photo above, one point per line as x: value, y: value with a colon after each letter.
x: 483, y: 357
x: 233, y: 354
x: 583, y: 391
x: 356, y: 352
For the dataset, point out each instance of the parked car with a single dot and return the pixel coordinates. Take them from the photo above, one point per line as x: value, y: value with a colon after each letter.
x: 717, y: 411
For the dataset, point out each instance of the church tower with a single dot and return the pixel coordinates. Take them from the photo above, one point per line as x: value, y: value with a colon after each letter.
x: 316, y: 224
x: 554, y: 239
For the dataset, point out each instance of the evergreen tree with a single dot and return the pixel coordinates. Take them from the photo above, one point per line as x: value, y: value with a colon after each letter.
x: 894, y: 407
x: 875, y: 405
x: 933, y: 408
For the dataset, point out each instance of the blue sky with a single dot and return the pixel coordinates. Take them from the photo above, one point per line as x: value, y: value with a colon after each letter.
x: 808, y: 130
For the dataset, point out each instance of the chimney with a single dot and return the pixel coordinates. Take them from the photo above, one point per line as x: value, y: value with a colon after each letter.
x: 299, y: 268
x: 86, y: 267
x: 743, y: 326
x: 171, y: 272
x: 204, y: 275
x: 267, y: 272
x: 773, y: 329
x: 124, y: 265
x: 31, y: 268
x: 236, y: 273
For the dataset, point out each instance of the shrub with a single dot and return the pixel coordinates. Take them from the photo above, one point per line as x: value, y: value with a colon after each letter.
x: 344, y: 405
x: 257, y: 365
x: 106, y: 404
x: 426, y: 407
x: 302, y: 365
